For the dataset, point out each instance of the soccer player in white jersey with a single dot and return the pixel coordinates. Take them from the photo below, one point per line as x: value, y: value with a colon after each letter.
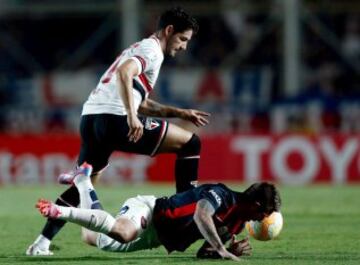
x: 110, y: 120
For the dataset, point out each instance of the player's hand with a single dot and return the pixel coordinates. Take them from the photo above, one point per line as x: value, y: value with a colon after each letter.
x: 197, y: 117
x: 227, y: 255
x: 206, y: 251
x: 240, y: 247
x: 136, y: 128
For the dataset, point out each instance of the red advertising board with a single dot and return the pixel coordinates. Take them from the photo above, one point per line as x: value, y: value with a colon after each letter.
x: 288, y: 159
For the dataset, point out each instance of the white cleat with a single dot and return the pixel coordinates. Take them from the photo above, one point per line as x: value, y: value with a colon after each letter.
x: 35, y: 250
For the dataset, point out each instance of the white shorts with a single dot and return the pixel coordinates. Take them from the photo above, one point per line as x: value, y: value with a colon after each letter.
x: 139, y: 211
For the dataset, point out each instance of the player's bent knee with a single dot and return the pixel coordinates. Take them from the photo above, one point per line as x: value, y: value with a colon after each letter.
x: 123, y: 231
x: 191, y: 148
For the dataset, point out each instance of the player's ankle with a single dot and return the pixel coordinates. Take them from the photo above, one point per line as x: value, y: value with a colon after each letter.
x: 83, y: 182
x: 42, y: 242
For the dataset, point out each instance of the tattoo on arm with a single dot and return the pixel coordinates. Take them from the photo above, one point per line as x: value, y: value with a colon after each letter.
x: 203, y: 218
x: 152, y: 108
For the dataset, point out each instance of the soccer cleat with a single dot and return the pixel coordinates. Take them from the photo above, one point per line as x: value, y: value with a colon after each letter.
x: 35, y: 250
x: 68, y: 178
x: 48, y: 208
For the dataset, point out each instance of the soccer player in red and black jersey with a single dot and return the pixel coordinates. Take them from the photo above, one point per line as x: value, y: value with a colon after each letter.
x: 211, y: 211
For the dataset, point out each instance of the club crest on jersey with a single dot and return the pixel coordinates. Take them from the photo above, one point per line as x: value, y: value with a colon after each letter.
x: 123, y: 210
x: 151, y: 124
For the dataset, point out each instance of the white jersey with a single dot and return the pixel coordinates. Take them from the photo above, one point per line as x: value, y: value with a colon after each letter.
x: 106, y: 97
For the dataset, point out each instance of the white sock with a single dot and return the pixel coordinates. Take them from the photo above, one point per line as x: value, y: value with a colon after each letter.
x: 42, y: 242
x: 92, y: 219
x: 84, y: 186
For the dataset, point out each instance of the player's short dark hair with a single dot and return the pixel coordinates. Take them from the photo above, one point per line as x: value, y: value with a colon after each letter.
x: 180, y: 20
x: 266, y: 194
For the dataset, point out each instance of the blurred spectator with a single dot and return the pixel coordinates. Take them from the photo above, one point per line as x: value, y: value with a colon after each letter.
x: 238, y: 51
x: 320, y: 99
x: 351, y: 39
x: 55, y: 121
x: 214, y: 42
x: 323, y: 87
x: 350, y: 116
x: 211, y: 88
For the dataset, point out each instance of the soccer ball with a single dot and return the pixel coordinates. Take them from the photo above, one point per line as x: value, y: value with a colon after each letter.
x: 266, y: 229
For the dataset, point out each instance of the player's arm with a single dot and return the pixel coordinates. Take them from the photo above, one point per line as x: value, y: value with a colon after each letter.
x: 152, y: 108
x: 203, y: 219
x: 125, y: 74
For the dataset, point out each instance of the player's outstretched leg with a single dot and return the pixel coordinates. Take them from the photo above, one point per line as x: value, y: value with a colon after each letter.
x: 93, y: 219
x: 70, y: 198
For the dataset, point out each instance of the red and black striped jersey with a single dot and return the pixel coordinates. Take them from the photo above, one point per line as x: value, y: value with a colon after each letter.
x: 174, y: 216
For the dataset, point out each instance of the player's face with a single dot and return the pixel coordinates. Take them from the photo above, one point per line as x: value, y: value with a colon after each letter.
x: 178, y: 42
x: 256, y: 213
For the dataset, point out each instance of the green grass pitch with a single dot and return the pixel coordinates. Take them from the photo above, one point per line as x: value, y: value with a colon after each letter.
x: 322, y: 226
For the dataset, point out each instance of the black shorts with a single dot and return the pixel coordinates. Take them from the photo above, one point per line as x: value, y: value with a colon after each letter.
x: 102, y: 134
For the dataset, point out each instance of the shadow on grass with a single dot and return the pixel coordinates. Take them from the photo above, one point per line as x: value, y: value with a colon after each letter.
x: 97, y: 259
x: 177, y: 258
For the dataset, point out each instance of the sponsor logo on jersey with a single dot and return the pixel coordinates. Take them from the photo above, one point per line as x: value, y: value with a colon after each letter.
x: 143, y: 222
x: 123, y: 210
x: 217, y: 197
x: 151, y: 124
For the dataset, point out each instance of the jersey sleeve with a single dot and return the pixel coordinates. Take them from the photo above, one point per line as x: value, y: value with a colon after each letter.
x: 215, y: 196
x: 148, y: 55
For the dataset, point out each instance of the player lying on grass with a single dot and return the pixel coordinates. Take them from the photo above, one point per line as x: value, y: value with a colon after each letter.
x: 210, y: 211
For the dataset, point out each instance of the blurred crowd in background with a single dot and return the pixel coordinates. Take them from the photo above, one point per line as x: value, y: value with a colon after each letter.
x: 235, y: 64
